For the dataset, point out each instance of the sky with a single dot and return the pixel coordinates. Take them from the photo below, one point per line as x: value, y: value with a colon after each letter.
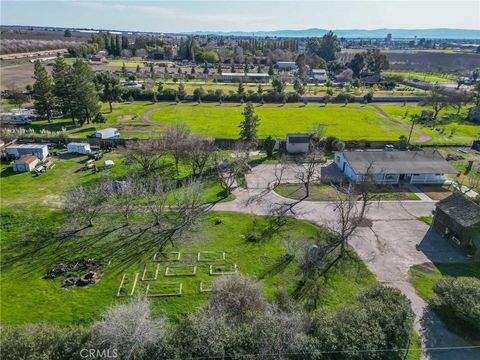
x: 242, y: 15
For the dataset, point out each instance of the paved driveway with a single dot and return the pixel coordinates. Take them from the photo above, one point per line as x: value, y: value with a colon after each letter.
x: 396, y: 241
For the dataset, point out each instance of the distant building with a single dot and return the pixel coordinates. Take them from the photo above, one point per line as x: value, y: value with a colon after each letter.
x: 298, y: 143
x: 97, y: 58
x: 18, y: 150
x: 319, y: 75
x: 474, y: 114
x: 391, y: 167
x: 457, y: 218
x: 286, y: 65
x: 25, y: 163
x: 108, y: 133
x: 243, y: 77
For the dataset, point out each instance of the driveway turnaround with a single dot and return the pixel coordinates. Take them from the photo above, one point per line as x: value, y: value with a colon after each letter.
x: 396, y: 241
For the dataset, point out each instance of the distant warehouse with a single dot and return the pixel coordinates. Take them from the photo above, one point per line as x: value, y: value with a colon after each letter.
x: 244, y: 77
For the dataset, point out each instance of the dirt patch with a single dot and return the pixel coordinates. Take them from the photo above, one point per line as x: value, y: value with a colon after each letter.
x: 128, y: 117
x: 435, y: 192
x: 53, y: 200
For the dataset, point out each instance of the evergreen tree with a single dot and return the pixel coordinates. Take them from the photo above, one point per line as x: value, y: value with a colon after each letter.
x: 63, y: 87
x: 192, y: 71
x: 219, y: 69
x: 241, y: 89
x: 85, y: 105
x: 205, y: 69
x: 232, y: 68
x: 181, y: 91
x: 138, y: 69
x: 124, y: 70
x: 67, y: 33
x: 112, y: 46
x: 249, y: 125
x: 270, y: 70
x: 43, y: 97
x: 111, y: 90
x: 118, y: 46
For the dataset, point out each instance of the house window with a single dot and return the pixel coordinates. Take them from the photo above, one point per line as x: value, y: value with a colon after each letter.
x: 438, y: 174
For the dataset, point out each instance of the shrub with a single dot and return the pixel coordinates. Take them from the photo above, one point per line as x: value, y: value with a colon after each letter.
x: 459, y: 299
x: 42, y: 341
x: 344, y: 98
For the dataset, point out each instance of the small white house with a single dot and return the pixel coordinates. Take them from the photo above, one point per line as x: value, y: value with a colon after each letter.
x: 319, y: 75
x: 392, y: 167
x: 108, y: 133
x: 79, y: 148
x: 18, y: 150
x: 25, y: 163
x: 298, y: 143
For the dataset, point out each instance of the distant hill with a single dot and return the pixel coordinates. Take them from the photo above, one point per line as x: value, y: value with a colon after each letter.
x: 358, y: 33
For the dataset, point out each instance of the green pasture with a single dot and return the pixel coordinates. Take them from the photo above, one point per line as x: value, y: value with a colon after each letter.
x: 30, y: 246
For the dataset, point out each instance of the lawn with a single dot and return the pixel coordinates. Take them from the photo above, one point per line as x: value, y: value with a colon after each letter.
x: 324, y: 192
x: 435, y: 192
x: 25, y: 189
x: 429, y: 77
x: 353, y: 122
x: 30, y: 247
x: 452, y: 131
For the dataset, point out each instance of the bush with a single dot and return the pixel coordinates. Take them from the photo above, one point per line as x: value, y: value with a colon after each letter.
x: 459, y: 299
x: 43, y: 341
x: 344, y: 98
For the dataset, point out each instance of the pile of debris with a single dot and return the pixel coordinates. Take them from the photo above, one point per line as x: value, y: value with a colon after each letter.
x: 81, y: 272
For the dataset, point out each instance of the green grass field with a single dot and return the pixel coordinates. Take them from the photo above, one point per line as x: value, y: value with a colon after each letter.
x: 30, y: 247
x: 352, y: 122
x: 25, y: 189
x: 429, y: 77
x: 446, y: 131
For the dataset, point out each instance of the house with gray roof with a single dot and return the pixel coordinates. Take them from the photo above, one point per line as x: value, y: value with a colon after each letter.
x: 392, y: 167
x: 457, y: 218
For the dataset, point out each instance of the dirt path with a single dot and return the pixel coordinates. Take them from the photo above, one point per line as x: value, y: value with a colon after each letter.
x: 146, y: 118
x: 422, y: 136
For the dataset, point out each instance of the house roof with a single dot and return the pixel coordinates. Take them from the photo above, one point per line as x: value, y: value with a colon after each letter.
x: 398, y: 162
x: 240, y: 74
x: 78, y: 144
x: 107, y: 130
x: 26, y: 159
x: 27, y: 146
x: 464, y: 211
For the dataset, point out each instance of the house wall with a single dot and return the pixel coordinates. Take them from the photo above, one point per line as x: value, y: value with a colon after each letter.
x: 428, y: 178
x: 80, y: 149
x: 22, y: 167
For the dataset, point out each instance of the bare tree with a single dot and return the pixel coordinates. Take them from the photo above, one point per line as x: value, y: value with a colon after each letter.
x: 145, y: 154
x: 309, y: 169
x: 459, y: 99
x: 230, y: 170
x: 199, y: 152
x: 177, y: 138
x: 125, y: 196
x: 83, y: 204
x: 280, y: 168
x: 129, y: 329
x: 437, y: 99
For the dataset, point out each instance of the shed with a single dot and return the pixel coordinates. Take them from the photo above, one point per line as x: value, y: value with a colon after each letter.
x: 18, y: 150
x: 25, y: 163
x: 79, y: 148
x: 457, y: 218
x: 298, y: 143
x: 108, y: 133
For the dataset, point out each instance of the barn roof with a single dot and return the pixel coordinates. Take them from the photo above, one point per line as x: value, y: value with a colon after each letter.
x: 464, y: 211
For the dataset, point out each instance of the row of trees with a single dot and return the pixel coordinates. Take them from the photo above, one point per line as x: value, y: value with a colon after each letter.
x: 237, y: 322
